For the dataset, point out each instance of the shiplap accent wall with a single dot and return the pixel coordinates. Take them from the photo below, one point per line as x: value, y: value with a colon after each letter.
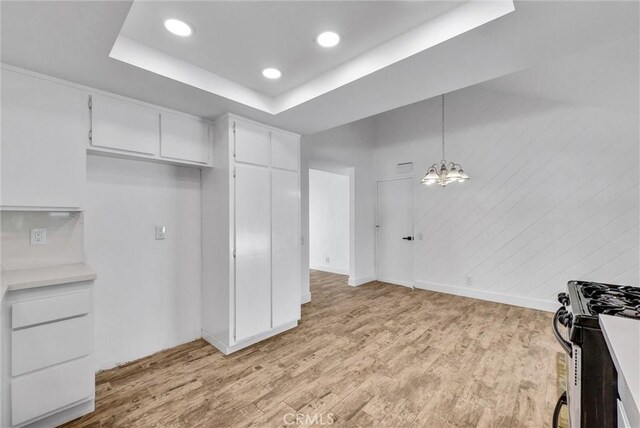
x: 553, y: 194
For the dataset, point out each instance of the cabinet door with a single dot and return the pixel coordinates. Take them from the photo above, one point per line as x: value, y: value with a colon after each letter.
x: 36, y: 394
x: 124, y: 126
x: 184, y: 138
x: 286, y: 247
x: 251, y: 143
x: 44, y: 134
x: 253, y: 251
x: 285, y: 151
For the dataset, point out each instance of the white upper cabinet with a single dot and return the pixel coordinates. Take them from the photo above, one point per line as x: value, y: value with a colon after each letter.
x: 44, y: 134
x: 285, y: 150
x: 252, y: 143
x: 184, y: 138
x: 124, y: 126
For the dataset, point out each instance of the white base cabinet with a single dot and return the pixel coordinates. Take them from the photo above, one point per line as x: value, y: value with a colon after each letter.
x: 48, y: 375
x: 251, y: 234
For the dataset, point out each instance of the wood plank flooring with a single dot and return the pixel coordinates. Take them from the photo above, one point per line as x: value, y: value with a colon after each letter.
x: 374, y: 355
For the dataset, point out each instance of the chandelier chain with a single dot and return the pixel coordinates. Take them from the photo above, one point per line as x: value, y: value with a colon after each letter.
x: 443, y: 157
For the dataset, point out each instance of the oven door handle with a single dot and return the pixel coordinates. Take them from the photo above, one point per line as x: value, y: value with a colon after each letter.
x: 562, y: 401
x: 566, y: 345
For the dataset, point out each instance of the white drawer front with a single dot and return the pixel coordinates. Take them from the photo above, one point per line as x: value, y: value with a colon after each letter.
x: 45, y: 345
x: 49, y: 309
x: 37, y: 394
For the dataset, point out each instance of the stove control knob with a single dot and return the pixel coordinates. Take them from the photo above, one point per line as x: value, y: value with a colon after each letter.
x: 563, y: 298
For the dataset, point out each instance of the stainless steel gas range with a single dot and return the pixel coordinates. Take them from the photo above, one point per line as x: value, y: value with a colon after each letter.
x: 591, y: 376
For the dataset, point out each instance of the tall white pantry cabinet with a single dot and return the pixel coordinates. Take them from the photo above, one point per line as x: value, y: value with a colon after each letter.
x: 251, y: 274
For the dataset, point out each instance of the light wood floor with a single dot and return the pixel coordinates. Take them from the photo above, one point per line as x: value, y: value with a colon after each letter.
x: 373, y: 355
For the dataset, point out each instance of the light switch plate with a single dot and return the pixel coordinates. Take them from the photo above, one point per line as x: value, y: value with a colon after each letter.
x: 38, y: 236
x: 161, y: 231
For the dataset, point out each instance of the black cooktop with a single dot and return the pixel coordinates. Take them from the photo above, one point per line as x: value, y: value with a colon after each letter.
x: 609, y: 299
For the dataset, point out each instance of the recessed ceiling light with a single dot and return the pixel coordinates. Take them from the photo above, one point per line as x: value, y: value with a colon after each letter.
x: 271, y: 73
x: 328, y: 39
x: 177, y: 27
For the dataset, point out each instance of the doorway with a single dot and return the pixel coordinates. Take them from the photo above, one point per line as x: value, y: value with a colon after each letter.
x: 329, y: 221
x: 394, y: 231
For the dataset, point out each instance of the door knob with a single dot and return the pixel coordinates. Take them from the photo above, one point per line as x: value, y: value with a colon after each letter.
x: 408, y: 238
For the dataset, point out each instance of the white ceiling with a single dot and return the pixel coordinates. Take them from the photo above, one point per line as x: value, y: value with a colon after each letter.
x: 229, y: 41
x: 370, y: 50
x: 72, y: 40
x: 606, y: 76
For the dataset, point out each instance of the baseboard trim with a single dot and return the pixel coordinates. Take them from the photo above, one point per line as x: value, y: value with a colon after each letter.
x: 397, y: 282
x: 228, y: 349
x: 330, y: 269
x: 305, y: 298
x: 354, y: 282
x: 526, y: 302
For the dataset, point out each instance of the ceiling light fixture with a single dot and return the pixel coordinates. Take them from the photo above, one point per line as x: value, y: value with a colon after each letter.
x: 444, y: 174
x: 271, y: 73
x: 177, y: 27
x: 328, y: 39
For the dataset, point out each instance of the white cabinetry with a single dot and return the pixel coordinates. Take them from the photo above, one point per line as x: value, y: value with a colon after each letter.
x: 43, y: 139
x: 47, y: 345
x: 124, y: 126
x: 128, y: 129
x: 285, y: 255
x: 184, y: 138
x: 251, y: 235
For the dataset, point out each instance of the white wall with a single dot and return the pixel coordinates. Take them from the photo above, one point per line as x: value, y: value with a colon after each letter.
x: 553, y: 194
x: 147, y: 293
x: 348, y: 147
x: 328, y: 221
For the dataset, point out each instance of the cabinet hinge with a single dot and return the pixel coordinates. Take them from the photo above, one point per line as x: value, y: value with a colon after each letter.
x: 234, y: 140
x: 90, y: 103
x: 90, y: 135
x: 234, y: 173
x: 234, y: 253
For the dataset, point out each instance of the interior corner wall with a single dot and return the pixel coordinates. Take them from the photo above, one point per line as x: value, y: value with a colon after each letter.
x: 349, y: 145
x: 553, y: 194
x: 147, y: 293
x: 329, y: 221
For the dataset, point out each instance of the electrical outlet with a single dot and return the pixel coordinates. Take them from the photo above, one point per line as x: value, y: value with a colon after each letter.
x: 38, y: 236
x: 161, y: 232
x: 327, y: 260
x: 468, y: 280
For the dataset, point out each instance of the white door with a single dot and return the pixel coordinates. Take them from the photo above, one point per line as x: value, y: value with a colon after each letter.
x: 394, y: 225
x: 253, y: 251
x: 286, y: 247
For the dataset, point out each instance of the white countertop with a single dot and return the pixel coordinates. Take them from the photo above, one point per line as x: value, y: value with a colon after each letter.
x: 623, y: 340
x: 20, y: 279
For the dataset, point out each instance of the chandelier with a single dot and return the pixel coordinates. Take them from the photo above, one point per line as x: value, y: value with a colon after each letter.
x: 445, y: 173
